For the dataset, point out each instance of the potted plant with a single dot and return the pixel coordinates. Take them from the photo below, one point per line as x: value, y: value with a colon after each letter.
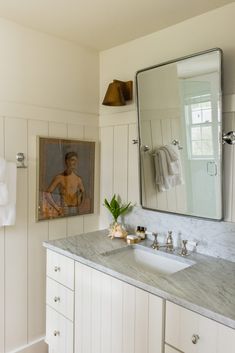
x: 117, y: 209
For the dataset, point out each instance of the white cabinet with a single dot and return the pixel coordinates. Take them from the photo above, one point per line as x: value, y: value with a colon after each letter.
x: 114, y: 317
x: 91, y: 312
x: 192, y: 333
x: 60, y: 303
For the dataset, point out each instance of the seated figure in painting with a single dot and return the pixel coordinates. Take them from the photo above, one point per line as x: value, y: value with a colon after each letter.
x: 70, y: 186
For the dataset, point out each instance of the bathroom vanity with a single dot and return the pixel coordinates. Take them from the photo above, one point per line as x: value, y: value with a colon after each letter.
x: 99, y: 302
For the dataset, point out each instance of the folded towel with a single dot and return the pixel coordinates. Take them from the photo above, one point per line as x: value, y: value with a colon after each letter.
x: 8, y: 211
x: 167, y: 168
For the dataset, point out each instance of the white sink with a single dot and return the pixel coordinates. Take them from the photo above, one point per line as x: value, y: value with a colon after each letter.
x: 149, y: 260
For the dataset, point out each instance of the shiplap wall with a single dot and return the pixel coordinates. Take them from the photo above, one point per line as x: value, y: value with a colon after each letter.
x: 22, y: 256
x: 51, y: 92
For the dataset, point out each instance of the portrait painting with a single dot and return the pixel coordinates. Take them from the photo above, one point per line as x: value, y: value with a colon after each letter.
x: 65, y: 178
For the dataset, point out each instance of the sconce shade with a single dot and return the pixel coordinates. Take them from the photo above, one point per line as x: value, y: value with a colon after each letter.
x: 118, y: 93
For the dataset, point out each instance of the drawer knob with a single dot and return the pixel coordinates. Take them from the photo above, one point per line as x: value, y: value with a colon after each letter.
x: 56, y: 299
x: 195, y: 338
x: 57, y: 269
x: 56, y: 333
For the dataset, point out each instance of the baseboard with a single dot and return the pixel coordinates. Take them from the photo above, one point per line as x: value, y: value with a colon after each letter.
x: 38, y: 346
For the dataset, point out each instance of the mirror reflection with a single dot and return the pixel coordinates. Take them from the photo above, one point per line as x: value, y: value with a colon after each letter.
x: 179, y: 110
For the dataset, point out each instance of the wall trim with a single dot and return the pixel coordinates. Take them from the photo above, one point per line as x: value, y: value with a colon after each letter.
x: 32, y: 347
x: 37, y: 112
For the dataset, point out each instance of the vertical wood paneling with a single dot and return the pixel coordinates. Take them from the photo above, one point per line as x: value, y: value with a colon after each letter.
x: 75, y: 131
x: 96, y: 312
x: 141, y: 321
x: 106, y: 313
x: 133, y: 170
x: 58, y: 227
x: 106, y: 171
x: 16, y: 244
x: 117, y: 316
x: 86, y: 317
x: 128, y: 325
x: 91, y: 222
x: 37, y: 233
x: 120, y: 161
x: 155, y: 325
x: 2, y: 255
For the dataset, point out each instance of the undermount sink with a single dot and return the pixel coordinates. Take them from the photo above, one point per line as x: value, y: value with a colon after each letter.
x: 149, y: 260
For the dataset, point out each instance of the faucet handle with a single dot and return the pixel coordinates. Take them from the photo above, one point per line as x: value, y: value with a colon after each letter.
x: 184, y: 250
x: 155, y: 244
x: 169, y: 242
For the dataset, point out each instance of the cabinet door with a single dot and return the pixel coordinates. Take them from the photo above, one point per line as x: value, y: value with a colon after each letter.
x: 192, y: 333
x: 112, y: 316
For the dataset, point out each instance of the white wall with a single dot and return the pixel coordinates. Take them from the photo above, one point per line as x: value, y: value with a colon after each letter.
x: 49, y: 87
x: 118, y: 124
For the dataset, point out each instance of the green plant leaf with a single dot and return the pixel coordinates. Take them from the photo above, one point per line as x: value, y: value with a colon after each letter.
x: 115, y: 207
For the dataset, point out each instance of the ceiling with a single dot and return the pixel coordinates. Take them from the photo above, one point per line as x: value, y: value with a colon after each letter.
x: 102, y: 24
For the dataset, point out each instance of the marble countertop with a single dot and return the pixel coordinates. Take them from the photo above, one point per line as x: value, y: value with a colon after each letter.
x: 207, y: 287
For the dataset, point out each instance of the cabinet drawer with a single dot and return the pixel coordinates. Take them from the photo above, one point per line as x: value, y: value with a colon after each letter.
x: 60, y: 268
x: 59, y: 332
x: 60, y: 298
x: 192, y: 333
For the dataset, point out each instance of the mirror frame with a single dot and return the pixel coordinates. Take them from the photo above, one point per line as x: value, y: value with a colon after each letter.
x: 219, y: 50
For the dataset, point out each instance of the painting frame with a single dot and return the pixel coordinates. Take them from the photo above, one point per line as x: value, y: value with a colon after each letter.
x: 65, y: 177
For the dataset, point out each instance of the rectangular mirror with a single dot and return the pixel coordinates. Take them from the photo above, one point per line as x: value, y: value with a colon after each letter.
x: 180, y: 128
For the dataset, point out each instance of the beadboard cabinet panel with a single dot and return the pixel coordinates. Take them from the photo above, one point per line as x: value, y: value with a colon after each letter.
x: 124, y: 315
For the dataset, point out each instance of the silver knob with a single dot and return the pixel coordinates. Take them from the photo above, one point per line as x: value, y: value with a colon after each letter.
x: 195, y: 338
x: 56, y: 299
x: 56, y: 333
x: 57, y: 269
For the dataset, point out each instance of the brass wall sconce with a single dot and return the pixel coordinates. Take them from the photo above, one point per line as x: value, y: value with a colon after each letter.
x: 118, y: 93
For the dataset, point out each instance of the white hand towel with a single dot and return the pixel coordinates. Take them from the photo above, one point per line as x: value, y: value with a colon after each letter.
x: 8, y: 211
x: 167, y: 168
x: 3, y: 194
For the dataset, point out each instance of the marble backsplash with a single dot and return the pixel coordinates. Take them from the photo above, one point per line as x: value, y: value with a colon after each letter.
x: 214, y: 238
